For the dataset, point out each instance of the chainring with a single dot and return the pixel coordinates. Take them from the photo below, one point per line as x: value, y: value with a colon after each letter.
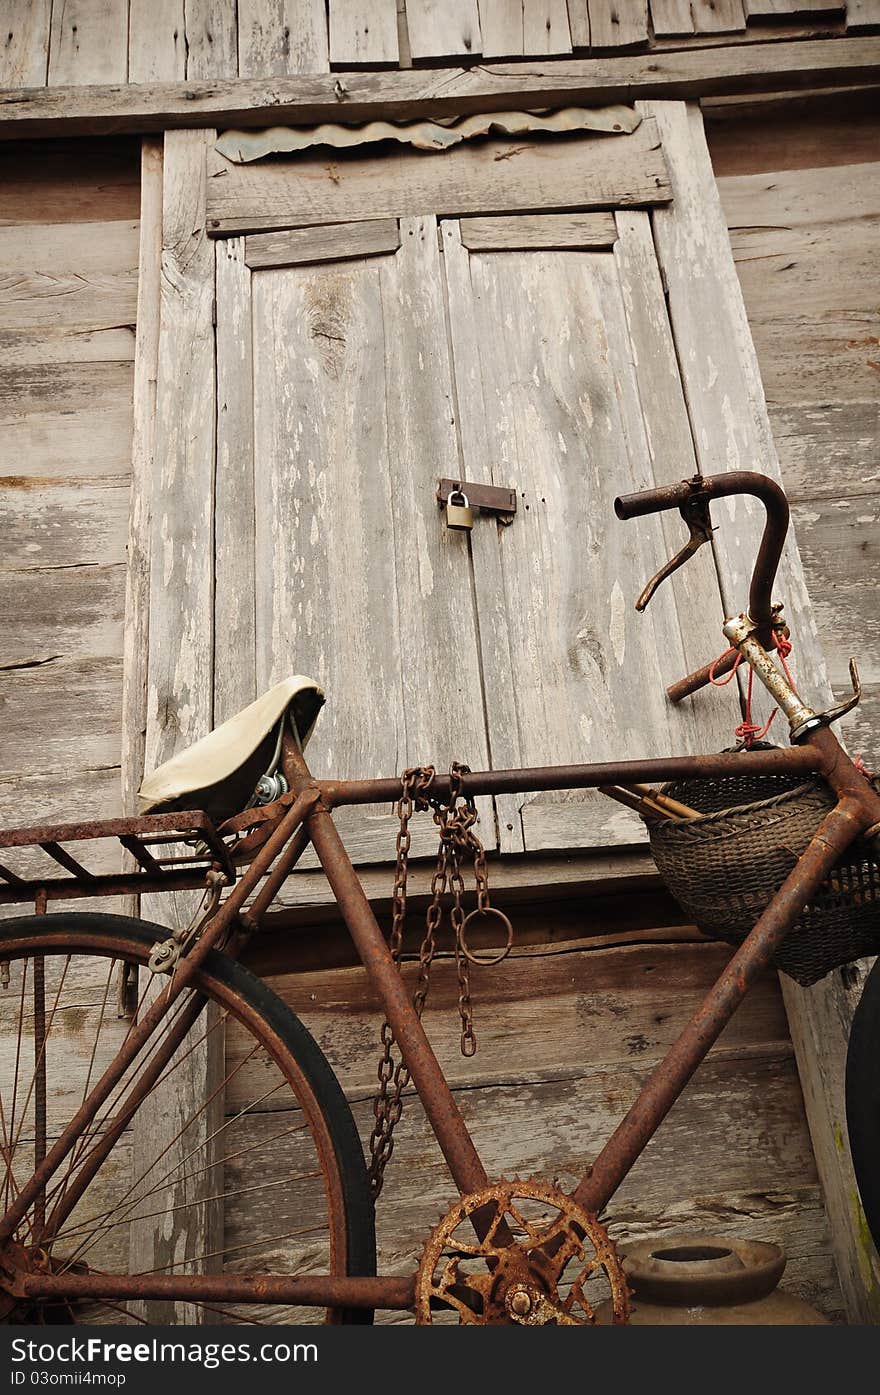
x: 542, y: 1260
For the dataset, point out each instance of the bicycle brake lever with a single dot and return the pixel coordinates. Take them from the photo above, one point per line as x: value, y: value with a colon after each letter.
x: 695, y: 512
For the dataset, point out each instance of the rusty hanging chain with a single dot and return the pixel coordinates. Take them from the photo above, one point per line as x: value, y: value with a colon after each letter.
x: 455, y: 820
x: 388, y: 1107
x: 456, y: 824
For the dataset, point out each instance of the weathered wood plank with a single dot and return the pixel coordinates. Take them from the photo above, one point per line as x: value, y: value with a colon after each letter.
x: 62, y: 387
x: 180, y: 677
x: 49, y: 344
x: 87, y: 300
x: 82, y: 275
x: 624, y: 1007
x: 491, y: 600
x: 68, y: 445
x: 363, y: 33
x: 694, y: 72
x: 88, y: 43
x: 334, y: 243
x: 157, y: 41
x: 577, y: 172
x: 804, y: 242
x: 794, y: 197
x: 42, y: 797
x: 24, y: 45
x: 620, y: 870
x: 180, y: 665
x: 277, y: 38
x: 574, y: 924
x: 787, y: 131
x: 52, y: 184
x: 539, y: 230
x: 670, y: 447
x: 618, y: 26
x: 58, y: 524
x: 89, y: 246
x: 443, y: 30
x: 572, y: 680
x: 862, y: 14
x: 235, y: 585
x: 579, y: 23
x: 671, y: 18
x: 718, y: 16
x: 74, y: 611
x: 211, y: 39
x: 353, y: 404
x: 791, y: 9
x: 143, y: 441
x: 828, y: 448
x: 811, y: 359
x: 524, y: 28
x: 61, y: 716
x: 693, y: 235
x: 840, y: 546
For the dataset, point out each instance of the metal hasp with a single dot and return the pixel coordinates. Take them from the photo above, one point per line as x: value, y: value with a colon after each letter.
x: 488, y: 498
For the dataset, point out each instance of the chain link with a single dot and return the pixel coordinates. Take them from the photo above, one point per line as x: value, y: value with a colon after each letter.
x: 455, y: 825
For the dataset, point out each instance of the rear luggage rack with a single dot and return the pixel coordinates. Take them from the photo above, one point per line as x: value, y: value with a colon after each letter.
x: 153, y: 842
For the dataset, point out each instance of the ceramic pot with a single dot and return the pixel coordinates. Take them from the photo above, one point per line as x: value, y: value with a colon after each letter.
x: 711, y: 1280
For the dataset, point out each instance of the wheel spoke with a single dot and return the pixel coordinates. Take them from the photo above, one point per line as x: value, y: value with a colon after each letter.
x: 275, y: 1173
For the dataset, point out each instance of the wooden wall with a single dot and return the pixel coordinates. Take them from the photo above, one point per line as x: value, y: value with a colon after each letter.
x: 569, y: 1026
x: 68, y: 293
x: 801, y: 192
x: 80, y: 42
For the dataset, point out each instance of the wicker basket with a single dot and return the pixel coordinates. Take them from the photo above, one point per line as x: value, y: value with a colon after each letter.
x: 724, y: 867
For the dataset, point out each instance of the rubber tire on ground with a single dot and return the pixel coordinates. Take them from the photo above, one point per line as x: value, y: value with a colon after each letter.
x: 863, y: 1099
x: 93, y: 928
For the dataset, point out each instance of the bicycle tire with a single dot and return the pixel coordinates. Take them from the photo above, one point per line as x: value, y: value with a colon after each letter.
x: 254, y: 1011
x: 863, y: 1099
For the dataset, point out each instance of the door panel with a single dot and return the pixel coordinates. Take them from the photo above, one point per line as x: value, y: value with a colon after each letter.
x: 358, y: 584
x: 549, y: 394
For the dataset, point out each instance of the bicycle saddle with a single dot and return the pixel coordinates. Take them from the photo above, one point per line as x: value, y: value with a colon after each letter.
x: 220, y: 772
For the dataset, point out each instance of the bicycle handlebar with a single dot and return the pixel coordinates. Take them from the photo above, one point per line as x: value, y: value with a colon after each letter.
x: 701, y: 490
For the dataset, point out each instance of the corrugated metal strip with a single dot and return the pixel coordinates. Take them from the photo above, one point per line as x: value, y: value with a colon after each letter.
x: 241, y: 147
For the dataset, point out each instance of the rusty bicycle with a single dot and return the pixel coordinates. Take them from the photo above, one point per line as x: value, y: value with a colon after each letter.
x: 85, y: 1179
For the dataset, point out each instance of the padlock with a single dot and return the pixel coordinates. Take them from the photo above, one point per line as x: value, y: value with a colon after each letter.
x: 459, y: 514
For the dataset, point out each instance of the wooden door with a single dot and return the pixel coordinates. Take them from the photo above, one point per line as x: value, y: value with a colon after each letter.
x: 530, y: 350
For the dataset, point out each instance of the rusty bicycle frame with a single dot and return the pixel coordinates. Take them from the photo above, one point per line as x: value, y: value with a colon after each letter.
x: 307, y: 819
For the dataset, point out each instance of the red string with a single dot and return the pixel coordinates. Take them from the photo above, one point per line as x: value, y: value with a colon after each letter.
x: 748, y: 731
x: 783, y: 649
x: 720, y: 682
x: 862, y: 768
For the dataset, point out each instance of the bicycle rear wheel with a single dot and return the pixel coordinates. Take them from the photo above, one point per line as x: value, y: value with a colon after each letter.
x: 863, y: 1099
x: 265, y: 1174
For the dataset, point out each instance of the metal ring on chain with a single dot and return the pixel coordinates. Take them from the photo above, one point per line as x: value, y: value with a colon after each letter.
x: 486, y: 912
